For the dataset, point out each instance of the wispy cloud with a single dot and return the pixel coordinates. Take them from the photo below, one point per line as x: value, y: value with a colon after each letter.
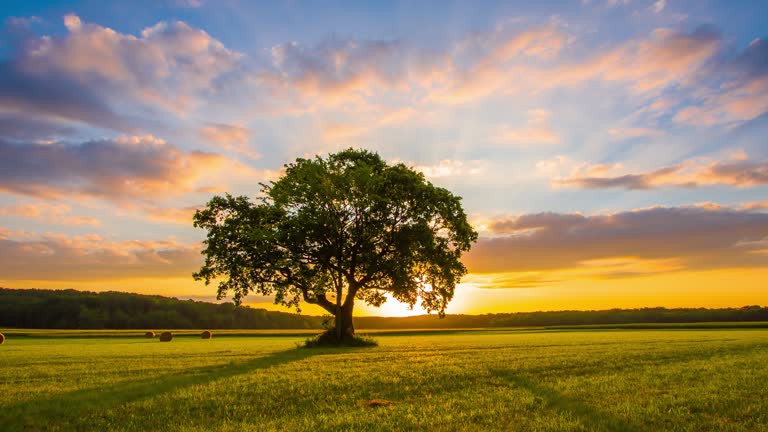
x: 692, y: 173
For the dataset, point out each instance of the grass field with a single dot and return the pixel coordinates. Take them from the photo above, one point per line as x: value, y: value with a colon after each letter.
x: 527, y: 380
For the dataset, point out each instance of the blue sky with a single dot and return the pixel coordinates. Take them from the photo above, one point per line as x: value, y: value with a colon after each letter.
x: 607, y: 121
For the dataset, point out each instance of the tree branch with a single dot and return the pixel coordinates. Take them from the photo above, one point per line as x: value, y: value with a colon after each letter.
x: 318, y: 299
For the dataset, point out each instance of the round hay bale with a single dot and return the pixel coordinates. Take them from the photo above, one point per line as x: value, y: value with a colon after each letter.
x: 206, y: 334
x: 166, y: 336
x: 149, y: 334
x: 2, y: 339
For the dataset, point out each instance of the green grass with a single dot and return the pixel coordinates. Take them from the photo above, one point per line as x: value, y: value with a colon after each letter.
x: 527, y: 380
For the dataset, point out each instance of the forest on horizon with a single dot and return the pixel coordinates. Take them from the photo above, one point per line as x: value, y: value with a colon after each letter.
x: 72, y: 309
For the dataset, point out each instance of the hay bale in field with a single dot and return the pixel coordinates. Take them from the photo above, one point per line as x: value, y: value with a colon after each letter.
x: 149, y: 334
x: 375, y: 403
x: 2, y: 339
x: 166, y: 336
x: 206, y: 335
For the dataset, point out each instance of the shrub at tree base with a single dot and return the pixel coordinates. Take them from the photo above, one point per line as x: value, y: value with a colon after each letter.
x: 2, y: 339
x: 149, y: 334
x: 206, y: 335
x: 328, y: 339
x: 166, y: 336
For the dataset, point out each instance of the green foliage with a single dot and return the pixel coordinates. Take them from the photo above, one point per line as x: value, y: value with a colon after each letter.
x: 349, y: 223
x: 678, y: 380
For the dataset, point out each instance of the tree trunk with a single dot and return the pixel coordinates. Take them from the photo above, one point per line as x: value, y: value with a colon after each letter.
x: 338, y: 310
x: 347, y: 326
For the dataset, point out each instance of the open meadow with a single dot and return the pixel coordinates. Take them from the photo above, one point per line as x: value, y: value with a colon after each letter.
x: 527, y: 380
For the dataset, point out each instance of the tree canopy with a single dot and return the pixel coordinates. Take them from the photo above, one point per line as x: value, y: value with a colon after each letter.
x: 335, y: 229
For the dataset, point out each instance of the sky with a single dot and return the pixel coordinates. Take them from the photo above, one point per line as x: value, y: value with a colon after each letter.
x: 611, y: 153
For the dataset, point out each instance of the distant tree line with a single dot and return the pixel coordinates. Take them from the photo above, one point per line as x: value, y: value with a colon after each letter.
x: 71, y: 309
x: 567, y: 318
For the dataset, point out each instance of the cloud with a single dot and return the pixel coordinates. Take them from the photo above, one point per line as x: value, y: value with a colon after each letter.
x: 22, y: 128
x: 756, y: 205
x: 337, y: 71
x: 671, y: 238
x: 666, y: 57
x: 689, y: 174
x: 527, y: 135
x: 739, y: 93
x: 537, y: 132
x: 86, y: 73
x: 497, y: 62
x: 546, y: 58
x: 373, y: 119
x: 128, y: 168
x: 452, y: 168
x: 633, y: 132
x: 176, y: 215
x: 55, y: 98
x: 230, y: 137
x: 192, y: 4
x: 54, y: 257
x: 658, y: 6
x: 47, y: 212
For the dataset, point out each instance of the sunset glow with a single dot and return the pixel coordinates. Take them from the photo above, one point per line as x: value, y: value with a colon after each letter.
x: 611, y: 154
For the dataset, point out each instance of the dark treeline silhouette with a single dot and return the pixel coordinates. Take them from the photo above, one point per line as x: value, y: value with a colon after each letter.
x: 572, y: 318
x: 71, y: 309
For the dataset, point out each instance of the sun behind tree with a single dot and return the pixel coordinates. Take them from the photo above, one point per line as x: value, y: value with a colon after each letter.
x: 335, y: 229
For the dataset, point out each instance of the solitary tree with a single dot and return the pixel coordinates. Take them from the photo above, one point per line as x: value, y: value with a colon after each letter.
x: 336, y: 229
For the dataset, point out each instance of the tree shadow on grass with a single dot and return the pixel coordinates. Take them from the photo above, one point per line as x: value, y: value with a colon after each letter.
x: 62, y: 409
x: 593, y: 419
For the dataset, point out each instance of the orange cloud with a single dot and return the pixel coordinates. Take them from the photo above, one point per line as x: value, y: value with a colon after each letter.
x: 230, y: 137
x: 51, y: 213
x: 664, y: 58
x: 757, y: 205
x: 181, y: 215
